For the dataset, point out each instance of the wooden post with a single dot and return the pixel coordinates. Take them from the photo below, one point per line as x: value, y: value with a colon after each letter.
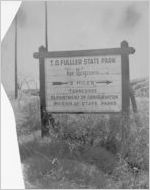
x: 44, y: 129
x: 46, y: 27
x: 125, y: 96
x: 125, y: 77
x: 51, y: 119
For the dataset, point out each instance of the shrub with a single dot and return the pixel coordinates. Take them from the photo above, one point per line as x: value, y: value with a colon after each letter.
x: 27, y: 114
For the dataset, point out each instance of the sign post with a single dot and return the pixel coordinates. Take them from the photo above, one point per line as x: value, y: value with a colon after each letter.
x: 125, y: 96
x: 44, y: 129
x: 86, y: 81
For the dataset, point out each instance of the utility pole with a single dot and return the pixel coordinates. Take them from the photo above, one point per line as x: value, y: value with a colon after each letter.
x: 16, y: 83
x: 46, y: 27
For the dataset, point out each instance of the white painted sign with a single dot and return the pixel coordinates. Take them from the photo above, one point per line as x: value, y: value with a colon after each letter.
x: 83, y: 84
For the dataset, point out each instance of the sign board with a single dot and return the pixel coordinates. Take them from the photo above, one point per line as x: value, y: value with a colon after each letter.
x: 83, y: 84
x: 95, y: 81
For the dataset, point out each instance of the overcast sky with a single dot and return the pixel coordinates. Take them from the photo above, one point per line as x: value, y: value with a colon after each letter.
x: 74, y: 26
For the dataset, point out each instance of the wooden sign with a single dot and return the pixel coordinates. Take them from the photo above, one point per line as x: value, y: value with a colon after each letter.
x: 95, y: 81
x: 83, y: 84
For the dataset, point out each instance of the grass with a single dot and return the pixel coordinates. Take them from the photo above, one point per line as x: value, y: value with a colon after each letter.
x: 62, y: 161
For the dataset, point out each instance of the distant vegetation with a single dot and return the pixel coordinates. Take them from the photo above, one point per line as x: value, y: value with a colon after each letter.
x: 141, y: 87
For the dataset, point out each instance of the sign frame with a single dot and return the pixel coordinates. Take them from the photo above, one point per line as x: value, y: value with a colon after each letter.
x: 124, y: 51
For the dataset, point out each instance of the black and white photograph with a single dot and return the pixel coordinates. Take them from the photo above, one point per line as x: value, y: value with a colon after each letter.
x: 76, y: 74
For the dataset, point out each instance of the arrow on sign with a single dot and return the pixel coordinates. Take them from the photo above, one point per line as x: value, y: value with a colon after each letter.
x: 104, y: 81
x: 61, y: 83
x: 99, y: 82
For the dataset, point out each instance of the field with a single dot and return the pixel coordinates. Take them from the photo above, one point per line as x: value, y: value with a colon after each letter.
x: 83, y: 150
